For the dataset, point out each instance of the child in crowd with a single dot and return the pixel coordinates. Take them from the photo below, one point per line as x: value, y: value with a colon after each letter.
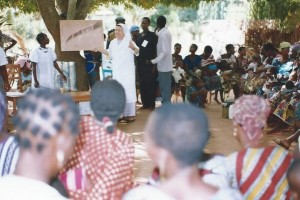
x: 178, y: 75
x: 43, y: 62
x: 256, y: 64
x: 247, y: 81
x: 25, y: 72
x: 196, y: 93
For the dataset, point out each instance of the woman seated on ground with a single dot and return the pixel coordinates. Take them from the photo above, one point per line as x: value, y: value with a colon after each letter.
x: 101, y: 167
x: 258, y: 172
x: 287, y: 142
x: 283, y: 115
x: 196, y: 94
x: 209, y: 67
x: 175, y: 137
x: 47, y: 126
x: 247, y: 82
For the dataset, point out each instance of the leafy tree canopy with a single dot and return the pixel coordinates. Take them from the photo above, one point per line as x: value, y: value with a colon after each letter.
x: 286, y: 12
x: 29, y: 6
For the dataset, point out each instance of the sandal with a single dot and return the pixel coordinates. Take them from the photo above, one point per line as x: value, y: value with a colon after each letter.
x: 122, y: 120
x: 278, y: 141
x: 130, y: 119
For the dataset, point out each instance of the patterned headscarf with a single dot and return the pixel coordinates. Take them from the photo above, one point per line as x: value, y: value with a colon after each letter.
x: 251, y: 112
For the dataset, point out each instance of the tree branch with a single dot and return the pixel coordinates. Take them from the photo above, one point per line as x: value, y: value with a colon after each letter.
x: 71, y: 9
x: 83, y: 8
x: 62, y: 6
x: 49, y: 15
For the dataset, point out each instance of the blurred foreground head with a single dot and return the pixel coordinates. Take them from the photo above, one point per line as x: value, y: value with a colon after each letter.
x: 47, y: 126
x: 176, y: 133
x: 293, y: 176
x: 108, y: 101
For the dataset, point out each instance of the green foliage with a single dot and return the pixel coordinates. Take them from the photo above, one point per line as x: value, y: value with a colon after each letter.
x: 4, y: 21
x: 30, y: 6
x: 280, y: 10
x: 26, y: 6
x: 188, y: 14
x: 160, y: 10
x: 285, y: 12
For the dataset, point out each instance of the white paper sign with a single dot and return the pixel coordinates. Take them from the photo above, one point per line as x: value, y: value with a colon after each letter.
x: 144, y: 44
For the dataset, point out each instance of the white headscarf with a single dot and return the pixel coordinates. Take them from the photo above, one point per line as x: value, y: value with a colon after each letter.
x: 126, y: 31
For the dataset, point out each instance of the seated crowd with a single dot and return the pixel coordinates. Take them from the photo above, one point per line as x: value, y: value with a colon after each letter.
x: 273, y: 74
x: 56, y: 154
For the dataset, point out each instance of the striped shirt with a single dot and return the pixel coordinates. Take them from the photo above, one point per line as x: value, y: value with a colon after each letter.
x: 9, y: 154
x: 260, y: 173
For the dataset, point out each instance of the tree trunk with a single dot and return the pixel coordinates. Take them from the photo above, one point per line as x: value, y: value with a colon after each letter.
x: 51, y: 19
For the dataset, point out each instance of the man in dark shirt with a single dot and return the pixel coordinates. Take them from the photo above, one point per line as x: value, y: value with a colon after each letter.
x: 147, y: 42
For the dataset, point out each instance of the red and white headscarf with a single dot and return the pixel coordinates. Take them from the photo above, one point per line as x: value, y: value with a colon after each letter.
x: 251, y: 112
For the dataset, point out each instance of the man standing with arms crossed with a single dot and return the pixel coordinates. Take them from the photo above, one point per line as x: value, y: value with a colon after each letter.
x: 164, y: 59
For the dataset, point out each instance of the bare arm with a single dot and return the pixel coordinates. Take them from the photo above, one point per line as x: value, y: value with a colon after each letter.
x: 5, y: 77
x: 36, y: 82
x: 101, y: 50
x: 134, y: 47
x: 59, y: 70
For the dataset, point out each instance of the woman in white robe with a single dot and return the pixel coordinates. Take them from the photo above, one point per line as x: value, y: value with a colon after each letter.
x: 122, y: 50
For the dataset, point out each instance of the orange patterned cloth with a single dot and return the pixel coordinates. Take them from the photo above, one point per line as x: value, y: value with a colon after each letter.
x: 101, y: 166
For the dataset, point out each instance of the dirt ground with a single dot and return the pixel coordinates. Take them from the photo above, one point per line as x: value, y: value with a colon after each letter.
x: 221, y: 141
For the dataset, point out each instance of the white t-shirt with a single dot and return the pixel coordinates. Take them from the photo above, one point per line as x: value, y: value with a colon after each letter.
x: 218, y: 176
x: 152, y: 193
x: 16, y: 187
x: 177, y: 74
x: 164, y: 51
x: 146, y: 192
x: 227, y: 194
x: 3, y: 60
x: 44, y: 58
